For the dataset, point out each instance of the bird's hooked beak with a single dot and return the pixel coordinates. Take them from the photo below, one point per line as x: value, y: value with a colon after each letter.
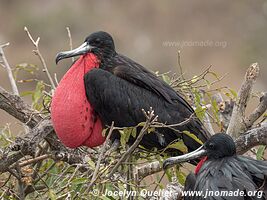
x: 200, y: 152
x: 81, y: 50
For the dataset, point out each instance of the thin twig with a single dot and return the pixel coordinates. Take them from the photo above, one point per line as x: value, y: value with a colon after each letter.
x: 70, y: 41
x: 162, y: 125
x: 33, y: 160
x: 207, y: 124
x: 38, y: 53
x: 21, y: 184
x: 6, y: 65
x: 150, y: 119
x: 102, y: 150
x: 55, y: 77
x: 180, y: 65
x: 178, y: 83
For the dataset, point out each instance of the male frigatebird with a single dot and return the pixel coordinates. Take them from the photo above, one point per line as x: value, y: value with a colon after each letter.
x: 103, y: 86
x: 222, y: 170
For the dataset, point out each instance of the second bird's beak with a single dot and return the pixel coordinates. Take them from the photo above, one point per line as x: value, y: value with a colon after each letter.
x: 186, y: 157
x: 83, y: 49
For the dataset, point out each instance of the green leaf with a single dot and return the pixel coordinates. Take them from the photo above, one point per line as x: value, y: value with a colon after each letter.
x: 169, y: 174
x: 90, y: 162
x: 193, y: 137
x: 26, y: 93
x: 52, y: 195
x: 134, y: 132
x: 179, y: 146
x: 151, y: 130
x: 37, y: 94
x: 215, y: 110
x: 141, y: 124
x: 233, y: 92
x: 200, y: 112
x: 104, y: 132
x: 125, y: 135
x: 166, y: 78
x: 215, y: 75
x: 260, y: 152
x: 194, y: 79
x: 181, y: 177
x: 79, y: 180
x: 207, y: 83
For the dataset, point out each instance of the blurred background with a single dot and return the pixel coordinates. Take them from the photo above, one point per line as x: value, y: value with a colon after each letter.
x: 229, y: 35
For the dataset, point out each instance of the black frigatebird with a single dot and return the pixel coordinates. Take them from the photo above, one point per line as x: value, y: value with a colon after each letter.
x: 103, y: 86
x: 222, y: 170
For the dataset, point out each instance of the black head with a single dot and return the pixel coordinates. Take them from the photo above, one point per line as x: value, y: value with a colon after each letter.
x: 100, y: 40
x: 220, y: 145
x: 99, y: 43
x: 217, y: 146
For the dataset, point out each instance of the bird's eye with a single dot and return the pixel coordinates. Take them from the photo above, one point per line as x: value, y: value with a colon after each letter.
x: 211, y: 146
x: 97, y: 41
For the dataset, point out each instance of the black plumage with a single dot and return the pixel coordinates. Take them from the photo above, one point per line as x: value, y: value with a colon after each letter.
x: 120, y: 88
x: 224, y: 171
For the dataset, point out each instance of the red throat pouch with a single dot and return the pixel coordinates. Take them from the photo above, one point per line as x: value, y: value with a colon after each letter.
x: 72, y: 115
x: 199, y: 165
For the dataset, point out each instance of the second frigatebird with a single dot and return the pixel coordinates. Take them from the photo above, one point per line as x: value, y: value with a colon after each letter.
x: 117, y: 89
x: 221, y: 174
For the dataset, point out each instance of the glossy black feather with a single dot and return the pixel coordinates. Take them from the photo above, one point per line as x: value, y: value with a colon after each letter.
x: 225, y: 171
x: 228, y: 174
x: 121, y: 88
x: 120, y: 99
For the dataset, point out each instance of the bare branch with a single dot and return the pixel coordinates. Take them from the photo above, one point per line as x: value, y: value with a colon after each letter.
x: 56, y: 80
x: 257, y: 112
x: 70, y: 41
x: 8, y: 69
x: 145, y: 170
x: 26, y: 145
x: 254, y: 137
x: 208, y: 125
x: 100, y: 156
x: 38, y: 53
x: 16, y: 107
x: 180, y: 65
x: 33, y: 160
x: 237, y: 125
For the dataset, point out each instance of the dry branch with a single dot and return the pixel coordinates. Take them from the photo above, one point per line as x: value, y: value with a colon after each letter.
x: 237, y: 125
x: 254, y: 137
x: 103, y: 149
x: 145, y: 170
x: 70, y: 41
x: 261, y: 108
x: 16, y: 107
x: 6, y: 65
x: 38, y: 53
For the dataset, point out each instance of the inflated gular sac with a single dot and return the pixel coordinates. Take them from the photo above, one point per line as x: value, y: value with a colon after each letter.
x: 74, y: 120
